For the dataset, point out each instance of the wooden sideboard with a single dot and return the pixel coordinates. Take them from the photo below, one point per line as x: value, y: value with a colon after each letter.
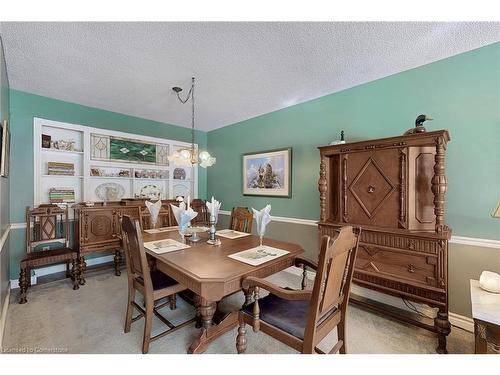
x: 394, y: 189
x: 97, y: 228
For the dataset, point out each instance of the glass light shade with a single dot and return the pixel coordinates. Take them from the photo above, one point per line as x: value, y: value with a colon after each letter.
x: 208, y: 162
x: 204, y: 155
x: 189, y: 157
x: 185, y: 153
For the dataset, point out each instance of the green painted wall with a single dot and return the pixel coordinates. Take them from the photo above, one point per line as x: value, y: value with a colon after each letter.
x: 461, y: 93
x: 24, y: 106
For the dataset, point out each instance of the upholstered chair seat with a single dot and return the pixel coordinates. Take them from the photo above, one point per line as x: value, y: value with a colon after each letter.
x: 161, y: 281
x: 287, y: 315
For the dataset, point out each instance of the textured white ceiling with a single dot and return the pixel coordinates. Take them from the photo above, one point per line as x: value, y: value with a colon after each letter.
x: 242, y: 69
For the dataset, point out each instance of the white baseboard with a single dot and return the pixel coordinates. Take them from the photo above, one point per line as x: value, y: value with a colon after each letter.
x: 461, y: 321
x: 60, y: 268
x: 3, y: 316
x: 456, y: 320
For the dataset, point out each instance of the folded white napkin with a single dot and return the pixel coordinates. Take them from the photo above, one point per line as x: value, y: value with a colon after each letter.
x: 214, y: 207
x: 185, y: 218
x: 183, y: 215
x: 262, y: 218
x: 154, y: 210
x: 177, y: 211
x: 490, y: 281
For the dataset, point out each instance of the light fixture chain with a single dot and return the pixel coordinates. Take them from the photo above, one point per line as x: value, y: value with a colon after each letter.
x: 204, y: 159
x: 192, y: 116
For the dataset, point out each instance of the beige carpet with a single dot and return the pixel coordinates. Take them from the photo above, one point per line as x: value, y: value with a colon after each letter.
x: 90, y: 320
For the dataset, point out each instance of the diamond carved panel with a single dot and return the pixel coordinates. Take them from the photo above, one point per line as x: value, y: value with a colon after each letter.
x: 371, y: 187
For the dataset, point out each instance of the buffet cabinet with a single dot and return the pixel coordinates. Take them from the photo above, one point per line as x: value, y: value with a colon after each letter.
x: 394, y: 190
x: 97, y: 228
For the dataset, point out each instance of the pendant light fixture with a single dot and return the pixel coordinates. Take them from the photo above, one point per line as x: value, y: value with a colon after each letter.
x: 189, y: 156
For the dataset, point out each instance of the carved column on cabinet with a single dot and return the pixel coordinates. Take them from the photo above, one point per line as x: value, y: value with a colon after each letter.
x: 345, y: 216
x: 439, y: 184
x: 322, y: 187
x: 85, y: 231
x: 402, y: 188
x: 443, y: 329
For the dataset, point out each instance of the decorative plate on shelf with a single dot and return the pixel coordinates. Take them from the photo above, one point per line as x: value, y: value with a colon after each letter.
x: 109, y: 191
x: 151, y: 191
x: 180, y: 190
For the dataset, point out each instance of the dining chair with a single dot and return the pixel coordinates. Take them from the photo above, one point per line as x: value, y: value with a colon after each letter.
x: 241, y: 219
x: 203, y: 217
x: 154, y: 285
x: 302, y: 318
x: 47, y: 243
x: 164, y: 218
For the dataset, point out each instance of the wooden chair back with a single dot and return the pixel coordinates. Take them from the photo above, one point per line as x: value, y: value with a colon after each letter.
x: 332, y: 284
x: 203, y: 217
x: 46, y: 224
x: 241, y: 219
x: 164, y: 218
x: 135, y: 255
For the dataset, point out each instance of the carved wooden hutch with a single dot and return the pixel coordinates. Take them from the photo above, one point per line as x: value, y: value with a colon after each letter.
x: 394, y: 189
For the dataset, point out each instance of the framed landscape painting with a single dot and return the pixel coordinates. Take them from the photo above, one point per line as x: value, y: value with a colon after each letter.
x: 268, y: 173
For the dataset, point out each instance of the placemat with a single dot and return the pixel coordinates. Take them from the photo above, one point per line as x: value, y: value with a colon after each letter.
x: 161, y: 230
x: 258, y: 255
x: 165, y: 246
x: 231, y: 234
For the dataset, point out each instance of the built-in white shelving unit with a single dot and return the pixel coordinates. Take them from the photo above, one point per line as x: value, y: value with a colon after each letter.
x: 93, y: 174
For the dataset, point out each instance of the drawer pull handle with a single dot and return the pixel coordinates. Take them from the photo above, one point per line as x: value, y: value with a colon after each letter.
x: 411, y: 268
x: 371, y: 189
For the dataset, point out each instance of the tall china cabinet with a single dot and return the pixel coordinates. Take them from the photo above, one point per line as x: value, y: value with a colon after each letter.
x: 394, y: 189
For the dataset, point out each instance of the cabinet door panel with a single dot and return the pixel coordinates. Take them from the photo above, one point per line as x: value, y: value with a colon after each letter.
x: 420, y: 198
x: 373, y: 188
x: 97, y: 226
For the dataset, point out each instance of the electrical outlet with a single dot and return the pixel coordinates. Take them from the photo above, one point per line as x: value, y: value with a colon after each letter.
x: 46, y: 248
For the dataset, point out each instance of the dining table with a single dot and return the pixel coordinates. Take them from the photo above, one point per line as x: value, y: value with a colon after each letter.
x: 209, y: 272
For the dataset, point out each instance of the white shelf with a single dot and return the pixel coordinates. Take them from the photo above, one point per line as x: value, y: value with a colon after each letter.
x: 150, y: 179
x: 61, y: 151
x: 60, y: 176
x: 112, y: 177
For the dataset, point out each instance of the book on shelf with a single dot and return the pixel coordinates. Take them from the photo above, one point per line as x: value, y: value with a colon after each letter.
x: 61, y: 195
x: 61, y: 169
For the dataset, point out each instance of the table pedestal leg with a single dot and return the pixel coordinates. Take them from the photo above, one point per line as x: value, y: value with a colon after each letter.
x: 210, y: 332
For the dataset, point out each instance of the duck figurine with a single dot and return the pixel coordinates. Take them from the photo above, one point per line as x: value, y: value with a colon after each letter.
x: 419, y: 125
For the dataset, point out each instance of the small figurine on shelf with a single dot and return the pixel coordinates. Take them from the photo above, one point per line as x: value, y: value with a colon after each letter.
x: 339, y: 142
x: 419, y: 125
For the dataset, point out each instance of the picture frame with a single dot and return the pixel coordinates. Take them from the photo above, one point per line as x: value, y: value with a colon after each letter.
x: 5, y: 149
x: 267, y: 173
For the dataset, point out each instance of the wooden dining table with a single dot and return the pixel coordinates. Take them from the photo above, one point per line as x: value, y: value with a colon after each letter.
x: 211, y: 275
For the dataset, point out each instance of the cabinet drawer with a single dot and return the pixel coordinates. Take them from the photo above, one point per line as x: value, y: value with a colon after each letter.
x: 404, y: 265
